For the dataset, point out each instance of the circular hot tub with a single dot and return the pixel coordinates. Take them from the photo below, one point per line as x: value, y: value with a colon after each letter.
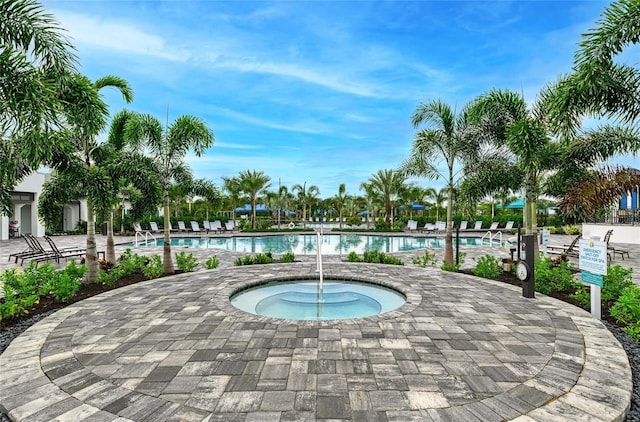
x: 308, y: 300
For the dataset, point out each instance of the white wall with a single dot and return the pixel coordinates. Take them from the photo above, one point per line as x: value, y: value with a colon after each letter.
x: 621, y: 233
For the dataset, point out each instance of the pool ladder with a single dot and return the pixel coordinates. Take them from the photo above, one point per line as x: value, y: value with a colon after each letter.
x: 145, y: 235
x: 491, y: 236
x: 319, y: 261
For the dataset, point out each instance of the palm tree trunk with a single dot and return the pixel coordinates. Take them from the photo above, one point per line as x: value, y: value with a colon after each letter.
x: 448, y: 239
x: 111, y: 250
x: 91, y: 259
x: 167, y: 261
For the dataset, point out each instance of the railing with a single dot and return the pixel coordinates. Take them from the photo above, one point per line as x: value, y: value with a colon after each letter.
x: 491, y: 236
x: 628, y: 216
x: 145, y: 235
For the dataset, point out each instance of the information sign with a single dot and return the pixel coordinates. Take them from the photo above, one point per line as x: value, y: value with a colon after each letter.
x: 545, y: 236
x: 593, y: 256
x: 591, y: 278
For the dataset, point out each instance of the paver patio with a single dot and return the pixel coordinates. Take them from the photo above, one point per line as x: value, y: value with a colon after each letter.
x: 461, y: 348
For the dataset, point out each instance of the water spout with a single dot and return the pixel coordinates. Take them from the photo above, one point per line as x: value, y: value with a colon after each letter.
x: 319, y: 262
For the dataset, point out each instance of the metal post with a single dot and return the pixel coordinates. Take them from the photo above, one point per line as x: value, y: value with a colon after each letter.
x: 457, y: 245
x: 529, y: 285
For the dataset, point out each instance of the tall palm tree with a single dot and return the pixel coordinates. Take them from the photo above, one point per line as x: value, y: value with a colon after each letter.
x: 446, y: 138
x: 388, y: 184
x: 283, y: 199
x: 528, y: 150
x: 253, y: 183
x: 305, y: 195
x: 36, y: 59
x: 168, y: 146
x: 339, y: 200
x: 370, y: 201
x: 86, y: 114
x: 231, y: 185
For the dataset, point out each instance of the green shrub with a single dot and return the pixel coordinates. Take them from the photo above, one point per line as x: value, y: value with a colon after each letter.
x: 572, y: 230
x: 287, y: 257
x: 153, y: 269
x: 186, y: 262
x: 626, y: 310
x: 109, y: 277
x: 354, y: 221
x: 212, y: 263
x: 616, y: 280
x: 353, y: 257
x: 487, y: 266
x: 453, y: 267
x: 261, y: 258
x: 554, y: 276
x: 129, y: 262
x: 381, y: 225
x: 428, y: 259
x: 65, y: 283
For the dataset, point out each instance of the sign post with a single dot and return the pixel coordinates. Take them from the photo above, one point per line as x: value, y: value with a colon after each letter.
x: 593, y: 263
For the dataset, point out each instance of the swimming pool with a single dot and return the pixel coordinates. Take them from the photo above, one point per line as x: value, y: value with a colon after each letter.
x: 305, y: 244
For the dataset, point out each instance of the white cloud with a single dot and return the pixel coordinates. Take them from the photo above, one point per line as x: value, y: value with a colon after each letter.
x: 117, y: 36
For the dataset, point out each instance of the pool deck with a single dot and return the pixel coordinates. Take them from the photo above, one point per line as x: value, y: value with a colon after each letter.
x: 174, y: 349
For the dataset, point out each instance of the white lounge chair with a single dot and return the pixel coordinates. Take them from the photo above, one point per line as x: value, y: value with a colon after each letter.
x: 412, y: 225
x: 181, y: 226
x: 154, y: 227
x: 463, y: 225
x: 216, y: 226
x: 137, y: 228
x: 508, y: 226
x: 195, y: 227
x: 229, y: 226
x: 206, y: 226
x: 478, y: 225
x: 494, y: 226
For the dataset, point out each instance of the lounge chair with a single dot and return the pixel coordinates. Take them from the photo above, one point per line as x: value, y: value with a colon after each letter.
x: 216, y: 226
x: 206, y: 226
x: 137, y: 228
x: 494, y: 226
x: 412, y: 225
x: 154, y: 227
x: 611, y: 251
x: 181, y: 227
x: 463, y: 225
x: 429, y: 227
x: 65, y: 253
x: 229, y: 226
x: 570, y: 250
x: 508, y: 226
x: 195, y: 227
x: 478, y: 225
x: 33, y: 248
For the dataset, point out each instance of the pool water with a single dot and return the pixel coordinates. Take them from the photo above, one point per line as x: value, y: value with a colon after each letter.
x: 305, y: 244
x: 303, y: 300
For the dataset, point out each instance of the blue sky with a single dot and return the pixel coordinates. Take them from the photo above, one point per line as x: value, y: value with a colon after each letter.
x: 314, y: 91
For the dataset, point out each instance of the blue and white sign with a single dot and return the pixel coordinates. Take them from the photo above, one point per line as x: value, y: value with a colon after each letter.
x: 593, y: 256
x: 591, y: 278
x: 545, y: 236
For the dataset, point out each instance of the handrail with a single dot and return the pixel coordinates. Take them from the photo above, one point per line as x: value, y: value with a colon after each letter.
x: 146, y: 237
x: 491, y: 237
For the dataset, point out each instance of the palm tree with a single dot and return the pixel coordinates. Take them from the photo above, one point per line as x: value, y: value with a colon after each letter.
x: 83, y: 175
x: 253, y: 183
x: 388, y: 184
x: 36, y: 59
x: 339, y: 200
x: 598, y: 87
x: 232, y: 186
x: 528, y: 151
x: 445, y: 138
x: 168, y: 147
x: 304, y: 197
x: 283, y: 199
x: 370, y: 200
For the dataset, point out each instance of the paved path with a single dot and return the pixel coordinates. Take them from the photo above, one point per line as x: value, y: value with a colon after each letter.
x: 461, y: 348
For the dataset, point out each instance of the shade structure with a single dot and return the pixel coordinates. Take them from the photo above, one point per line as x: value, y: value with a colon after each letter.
x: 518, y: 204
x: 416, y: 207
x: 247, y: 208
